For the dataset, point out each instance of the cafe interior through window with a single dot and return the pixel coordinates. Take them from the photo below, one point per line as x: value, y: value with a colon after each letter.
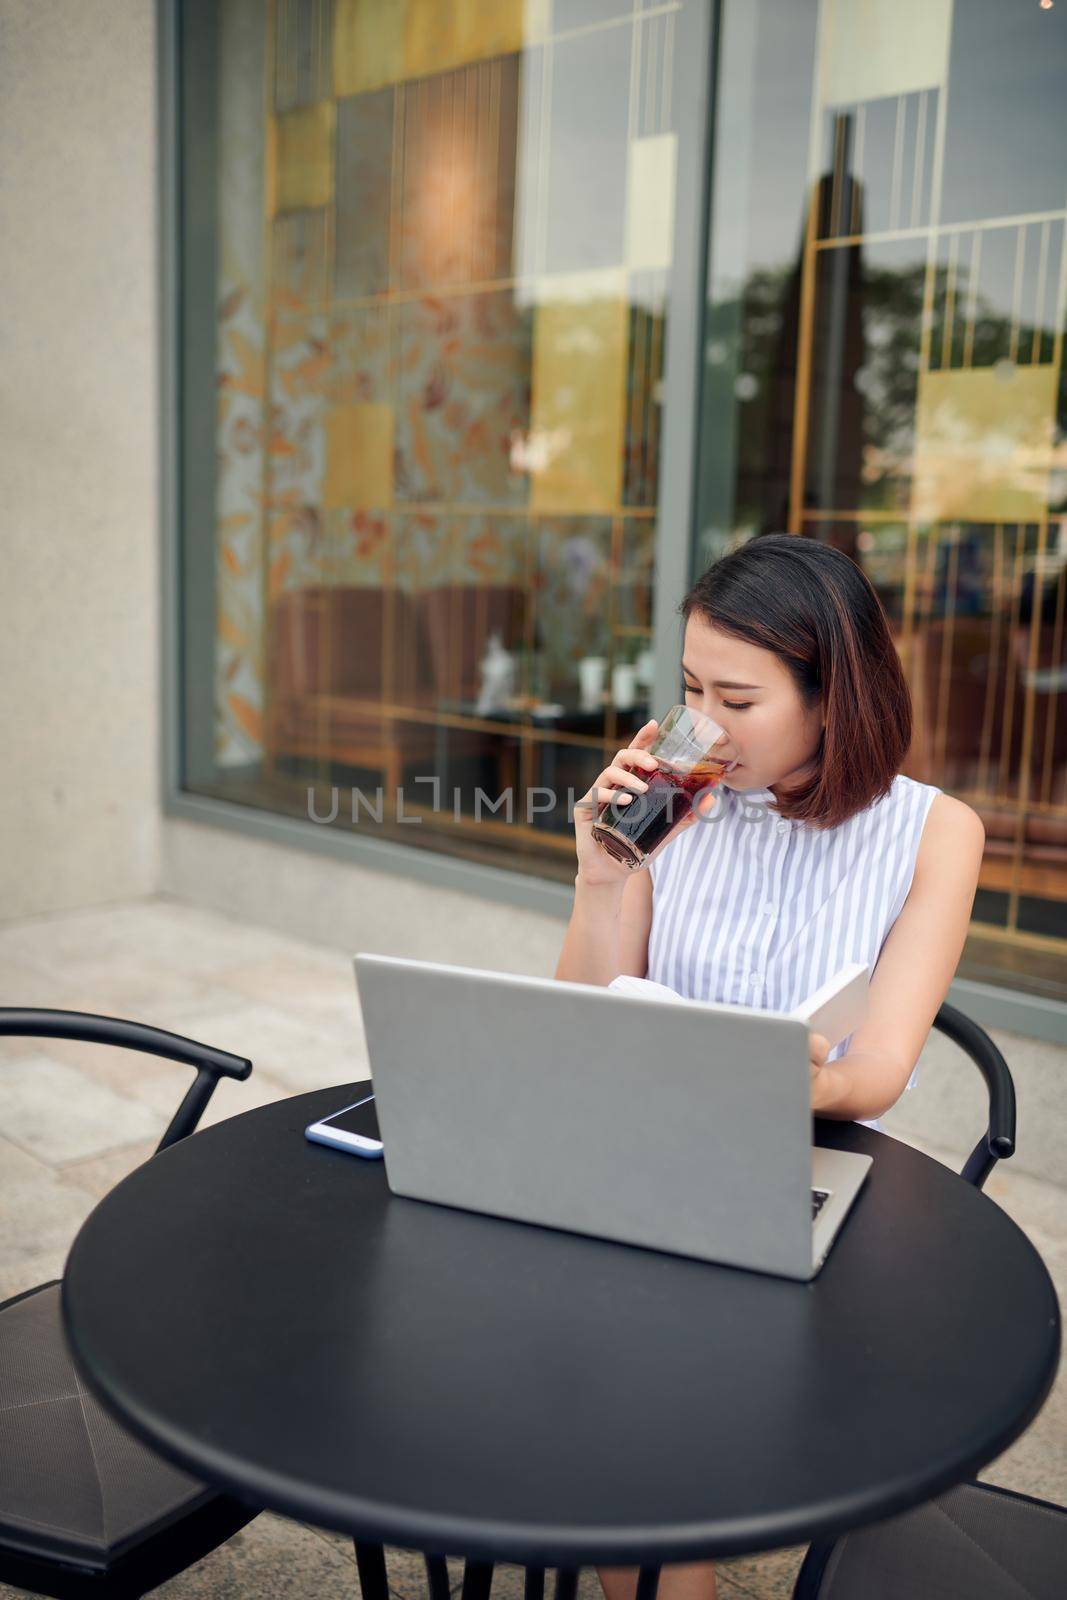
x: 422, y: 435
x: 443, y: 277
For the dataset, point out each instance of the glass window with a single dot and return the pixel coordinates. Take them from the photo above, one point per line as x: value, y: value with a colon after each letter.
x: 883, y: 371
x: 427, y: 254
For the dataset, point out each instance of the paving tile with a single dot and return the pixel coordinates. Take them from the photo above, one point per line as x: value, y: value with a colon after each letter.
x: 950, y: 1103
x: 407, y: 1578
x: 726, y: 1584
x: 129, y: 1074
x: 341, y: 1543
x: 1032, y: 1202
x: 163, y: 1093
x: 770, y: 1575
x: 46, y: 1266
x: 1040, y: 1471
x: 298, y: 1053
x: 98, y: 1175
x: 1037, y: 1462
x: 126, y: 987
x: 271, y: 1559
x: 183, y: 1014
x: 59, y: 1114
x: 313, y: 982
x: 174, y: 936
x: 24, y: 984
x: 39, y: 1215
x: 274, y: 1558
x: 406, y: 1570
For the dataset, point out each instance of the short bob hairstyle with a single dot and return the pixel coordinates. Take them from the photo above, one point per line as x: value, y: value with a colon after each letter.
x: 817, y: 611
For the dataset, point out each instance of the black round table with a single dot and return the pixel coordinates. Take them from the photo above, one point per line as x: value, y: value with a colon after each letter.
x: 264, y: 1312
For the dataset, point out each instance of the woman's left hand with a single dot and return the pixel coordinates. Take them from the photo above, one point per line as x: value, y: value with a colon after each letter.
x: 825, y: 1089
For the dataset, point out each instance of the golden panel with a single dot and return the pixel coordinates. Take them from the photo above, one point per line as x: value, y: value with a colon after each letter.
x: 578, y: 406
x: 983, y: 443
x: 303, y: 177
x: 873, y: 48
x: 439, y: 37
x: 376, y: 43
x: 368, y: 45
x: 359, y: 456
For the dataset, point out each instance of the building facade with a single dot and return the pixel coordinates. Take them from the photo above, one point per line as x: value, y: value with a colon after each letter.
x: 496, y: 322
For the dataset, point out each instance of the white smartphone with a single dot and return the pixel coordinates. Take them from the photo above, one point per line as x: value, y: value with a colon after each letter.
x: 354, y: 1128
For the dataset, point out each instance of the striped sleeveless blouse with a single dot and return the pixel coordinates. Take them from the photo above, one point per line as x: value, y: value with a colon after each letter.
x: 755, y: 910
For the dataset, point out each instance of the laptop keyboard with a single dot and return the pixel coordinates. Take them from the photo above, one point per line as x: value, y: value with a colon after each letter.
x: 819, y: 1198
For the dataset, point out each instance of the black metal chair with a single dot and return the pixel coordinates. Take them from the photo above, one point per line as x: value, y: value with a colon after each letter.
x: 975, y: 1539
x: 86, y: 1509
x: 998, y: 1141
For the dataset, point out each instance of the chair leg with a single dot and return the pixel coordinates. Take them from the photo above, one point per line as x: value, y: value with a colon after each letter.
x: 437, y: 1577
x: 566, y: 1583
x: 534, y: 1584
x: 373, y: 1579
x: 809, y: 1578
x: 477, y: 1580
x: 647, y: 1583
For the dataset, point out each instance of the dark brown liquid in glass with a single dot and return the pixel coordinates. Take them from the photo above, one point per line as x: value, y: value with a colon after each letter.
x: 631, y: 832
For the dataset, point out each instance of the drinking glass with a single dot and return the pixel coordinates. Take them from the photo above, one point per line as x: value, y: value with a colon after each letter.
x: 693, y: 754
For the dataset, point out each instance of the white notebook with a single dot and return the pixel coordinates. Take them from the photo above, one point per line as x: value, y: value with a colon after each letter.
x: 835, y: 1010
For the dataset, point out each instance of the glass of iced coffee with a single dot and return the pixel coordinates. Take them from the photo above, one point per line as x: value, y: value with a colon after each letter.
x: 693, y: 754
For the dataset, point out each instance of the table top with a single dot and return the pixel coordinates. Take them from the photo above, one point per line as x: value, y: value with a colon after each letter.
x: 263, y: 1311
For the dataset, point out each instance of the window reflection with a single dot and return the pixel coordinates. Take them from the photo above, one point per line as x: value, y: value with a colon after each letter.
x: 883, y: 371
x: 443, y: 252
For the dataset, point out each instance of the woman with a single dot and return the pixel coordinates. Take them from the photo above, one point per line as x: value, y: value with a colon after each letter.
x: 814, y: 852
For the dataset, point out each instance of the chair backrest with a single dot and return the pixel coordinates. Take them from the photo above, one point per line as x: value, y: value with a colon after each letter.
x: 349, y: 641
x: 998, y: 1141
x: 979, y: 665
x: 455, y: 622
x: 985, y: 690
x: 210, y: 1064
x: 326, y: 641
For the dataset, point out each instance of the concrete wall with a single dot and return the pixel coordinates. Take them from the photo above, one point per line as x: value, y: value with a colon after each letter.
x: 349, y: 907
x: 79, y: 681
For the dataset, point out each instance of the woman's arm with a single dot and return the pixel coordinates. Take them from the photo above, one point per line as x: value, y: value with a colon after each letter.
x: 916, y: 966
x: 608, y: 931
x: 612, y: 914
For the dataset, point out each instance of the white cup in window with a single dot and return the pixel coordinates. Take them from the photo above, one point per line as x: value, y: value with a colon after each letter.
x: 592, y: 671
x: 623, y: 686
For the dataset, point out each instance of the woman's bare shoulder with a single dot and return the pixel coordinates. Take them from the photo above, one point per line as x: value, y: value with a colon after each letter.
x: 953, y: 831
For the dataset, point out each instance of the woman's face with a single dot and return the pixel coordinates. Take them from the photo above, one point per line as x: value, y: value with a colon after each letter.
x: 776, y: 737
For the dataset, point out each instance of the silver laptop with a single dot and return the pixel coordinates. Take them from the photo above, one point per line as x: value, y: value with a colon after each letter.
x: 682, y: 1127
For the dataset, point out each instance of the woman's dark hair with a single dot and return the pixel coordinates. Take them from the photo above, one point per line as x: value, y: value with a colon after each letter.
x: 817, y: 611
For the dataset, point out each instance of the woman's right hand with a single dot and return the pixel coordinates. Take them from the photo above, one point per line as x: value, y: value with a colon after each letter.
x: 595, y: 866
